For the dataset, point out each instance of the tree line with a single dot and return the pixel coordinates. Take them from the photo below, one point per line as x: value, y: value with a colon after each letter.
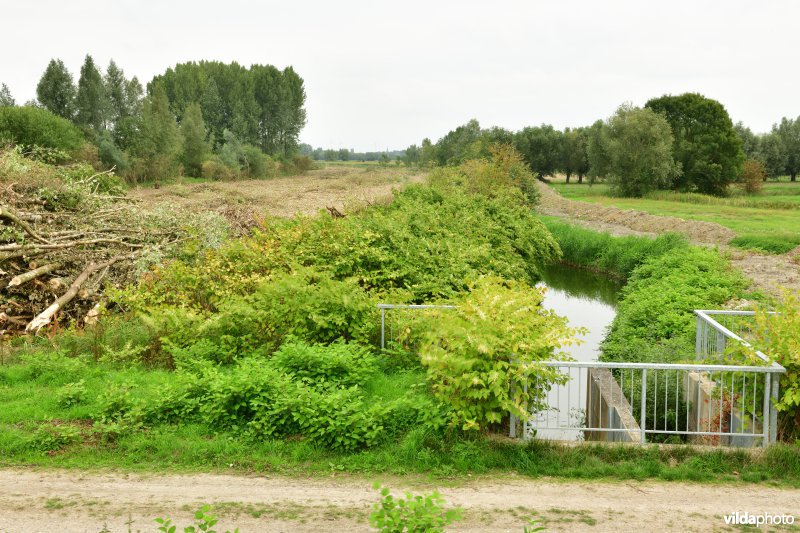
x: 348, y: 154
x: 685, y: 142
x: 204, y: 118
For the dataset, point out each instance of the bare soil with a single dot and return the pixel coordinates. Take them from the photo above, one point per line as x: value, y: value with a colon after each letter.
x: 67, y: 501
x: 247, y: 201
x: 768, y: 273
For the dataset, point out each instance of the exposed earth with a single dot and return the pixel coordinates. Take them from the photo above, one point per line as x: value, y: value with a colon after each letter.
x: 68, y: 501
x: 768, y: 272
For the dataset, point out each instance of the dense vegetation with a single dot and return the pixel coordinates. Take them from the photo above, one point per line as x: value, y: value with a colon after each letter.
x: 219, y: 121
x: 273, y: 335
x: 690, y: 146
x: 666, y: 279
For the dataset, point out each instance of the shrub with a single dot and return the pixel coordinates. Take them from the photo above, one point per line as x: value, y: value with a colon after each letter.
x: 778, y: 336
x: 753, y: 176
x: 34, y: 126
x: 214, y: 169
x: 657, y: 303
x: 72, y: 394
x: 338, y: 364
x: 412, y: 513
x: 481, y: 355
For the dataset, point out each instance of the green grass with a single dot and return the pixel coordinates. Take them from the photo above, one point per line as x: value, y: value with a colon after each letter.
x: 769, y: 222
x: 31, y: 408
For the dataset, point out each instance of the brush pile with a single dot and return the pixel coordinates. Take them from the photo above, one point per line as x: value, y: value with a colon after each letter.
x: 66, y: 232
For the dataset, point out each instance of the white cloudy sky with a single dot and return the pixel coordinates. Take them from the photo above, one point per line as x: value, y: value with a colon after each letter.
x: 386, y: 74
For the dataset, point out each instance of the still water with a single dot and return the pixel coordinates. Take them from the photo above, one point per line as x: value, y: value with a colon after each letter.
x: 587, y: 300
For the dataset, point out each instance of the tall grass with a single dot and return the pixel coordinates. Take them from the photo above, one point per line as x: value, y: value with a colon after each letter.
x: 766, y: 202
x: 615, y: 256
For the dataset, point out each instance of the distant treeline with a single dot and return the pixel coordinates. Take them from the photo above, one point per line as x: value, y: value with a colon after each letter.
x: 213, y: 119
x: 348, y: 154
x: 686, y: 142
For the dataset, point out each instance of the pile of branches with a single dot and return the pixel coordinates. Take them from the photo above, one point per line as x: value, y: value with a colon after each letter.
x: 64, y: 235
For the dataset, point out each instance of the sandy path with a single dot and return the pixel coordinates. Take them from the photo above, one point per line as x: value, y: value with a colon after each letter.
x: 767, y: 272
x: 68, y: 501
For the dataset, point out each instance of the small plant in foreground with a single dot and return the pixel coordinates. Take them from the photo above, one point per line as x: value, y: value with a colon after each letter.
x: 205, y: 521
x: 412, y: 513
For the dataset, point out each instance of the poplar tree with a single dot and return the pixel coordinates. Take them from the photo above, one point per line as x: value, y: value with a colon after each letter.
x: 6, y: 100
x: 158, y: 140
x: 193, y: 134
x: 91, y: 100
x: 56, y: 90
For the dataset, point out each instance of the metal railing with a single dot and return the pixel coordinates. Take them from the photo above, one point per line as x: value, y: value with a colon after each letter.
x: 648, y: 402
x: 704, y: 403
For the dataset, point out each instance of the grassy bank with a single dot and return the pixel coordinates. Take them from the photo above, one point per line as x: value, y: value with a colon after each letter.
x: 763, y: 222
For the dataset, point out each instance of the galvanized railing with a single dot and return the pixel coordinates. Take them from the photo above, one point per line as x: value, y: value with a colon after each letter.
x: 648, y: 402
x: 704, y: 403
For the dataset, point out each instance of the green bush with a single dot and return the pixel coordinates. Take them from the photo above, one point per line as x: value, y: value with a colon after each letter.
x: 481, y: 355
x: 658, y: 302
x: 338, y: 364
x: 34, y: 126
x: 412, y: 513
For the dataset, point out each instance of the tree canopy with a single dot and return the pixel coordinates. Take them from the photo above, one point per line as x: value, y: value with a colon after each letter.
x: 706, y: 145
x: 633, y: 149
x: 261, y: 105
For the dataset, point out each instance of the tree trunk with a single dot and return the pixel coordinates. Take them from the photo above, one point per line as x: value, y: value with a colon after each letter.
x: 568, y: 176
x: 580, y: 178
x: 794, y: 176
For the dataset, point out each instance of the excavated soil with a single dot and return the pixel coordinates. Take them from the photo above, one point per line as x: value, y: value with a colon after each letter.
x: 768, y: 273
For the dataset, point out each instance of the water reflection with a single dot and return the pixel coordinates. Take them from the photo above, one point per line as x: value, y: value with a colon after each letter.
x: 587, y: 300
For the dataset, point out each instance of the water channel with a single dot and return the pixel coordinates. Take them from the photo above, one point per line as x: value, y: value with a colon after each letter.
x: 587, y: 300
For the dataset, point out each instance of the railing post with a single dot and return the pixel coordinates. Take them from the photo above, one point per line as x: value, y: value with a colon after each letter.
x: 383, y: 328
x: 773, y: 412
x: 643, y: 411
x: 767, y: 410
x: 698, y: 343
x: 720, y: 343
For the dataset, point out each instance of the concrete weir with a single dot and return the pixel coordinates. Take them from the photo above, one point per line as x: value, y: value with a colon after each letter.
x: 608, y: 408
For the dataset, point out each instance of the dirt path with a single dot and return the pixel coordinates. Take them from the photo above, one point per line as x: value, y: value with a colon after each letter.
x: 768, y: 272
x: 67, y: 501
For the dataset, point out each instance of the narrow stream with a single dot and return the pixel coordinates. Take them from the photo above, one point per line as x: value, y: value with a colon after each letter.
x: 587, y: 300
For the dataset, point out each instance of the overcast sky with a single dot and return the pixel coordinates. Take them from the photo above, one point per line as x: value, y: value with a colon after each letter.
x: 386, y: 74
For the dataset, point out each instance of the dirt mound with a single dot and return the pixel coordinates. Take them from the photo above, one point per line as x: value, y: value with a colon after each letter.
x: 768, y: 273
x: 553, y: 203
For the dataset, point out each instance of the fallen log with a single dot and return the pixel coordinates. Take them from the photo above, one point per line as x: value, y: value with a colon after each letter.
x: 33, y: 274
x: 8, y: 214
x: 44, y: 318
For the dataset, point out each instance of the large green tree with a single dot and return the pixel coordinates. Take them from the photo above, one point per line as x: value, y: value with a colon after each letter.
x: 158, y: 142
x: 123, y: 98
x: 574, y: 154
x: 56, y: 90
x: 772, y: 154
x: 261, y: 105
x: 193, y: 134
x: 541, y: 147
x: 633, y: 150
x: 789, y: 133
x: 706, y: 145
x: 6, y: 100
x: 91, y: 103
